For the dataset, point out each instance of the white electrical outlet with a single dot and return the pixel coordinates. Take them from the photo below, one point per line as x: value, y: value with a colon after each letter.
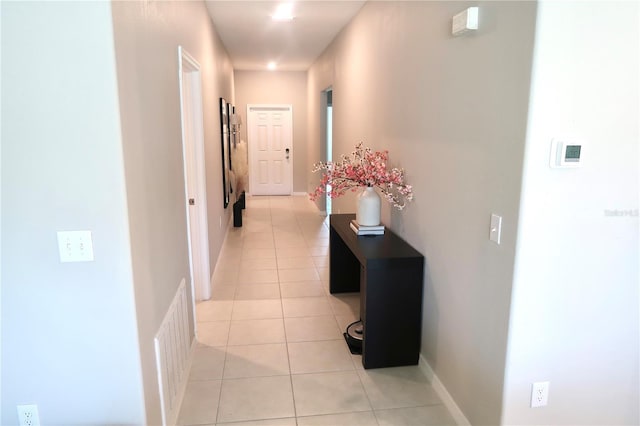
x: 28, y: 415
x: 539, y: 394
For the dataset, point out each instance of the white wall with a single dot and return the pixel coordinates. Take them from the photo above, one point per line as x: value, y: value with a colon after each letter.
x: 69, y: 340
x: 278, y: 87
x: 574, y: 319
x: 91, y: 140
x: 147, y: 36
x: 452, y: 112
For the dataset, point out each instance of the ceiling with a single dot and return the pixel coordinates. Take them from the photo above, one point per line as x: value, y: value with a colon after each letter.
x: 253, y: 39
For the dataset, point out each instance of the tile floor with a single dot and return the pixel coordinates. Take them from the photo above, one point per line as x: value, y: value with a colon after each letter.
x: 270, y: 349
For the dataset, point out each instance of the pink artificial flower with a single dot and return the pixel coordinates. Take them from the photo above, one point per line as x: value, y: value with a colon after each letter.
x: 364, y: 167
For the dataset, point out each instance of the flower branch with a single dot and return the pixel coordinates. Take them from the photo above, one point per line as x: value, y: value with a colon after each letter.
x: 364, y: 167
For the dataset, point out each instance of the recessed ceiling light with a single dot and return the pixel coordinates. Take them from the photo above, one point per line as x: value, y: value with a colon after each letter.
x: 271, y: 66
x: 283, y: 13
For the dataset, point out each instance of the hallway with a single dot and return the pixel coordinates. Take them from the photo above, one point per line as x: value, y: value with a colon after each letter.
x: 270, y: 348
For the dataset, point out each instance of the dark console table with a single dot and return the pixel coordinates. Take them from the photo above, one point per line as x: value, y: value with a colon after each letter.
x: 388, y: 273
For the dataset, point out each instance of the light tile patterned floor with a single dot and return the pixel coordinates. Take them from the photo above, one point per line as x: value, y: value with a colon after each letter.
x: 270, y: 350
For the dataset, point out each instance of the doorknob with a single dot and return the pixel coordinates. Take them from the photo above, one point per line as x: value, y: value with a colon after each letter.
x: 192, y: 201
x: 287, y: 152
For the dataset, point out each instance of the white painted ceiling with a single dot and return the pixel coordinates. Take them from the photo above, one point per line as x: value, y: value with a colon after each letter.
x: 253, y: 39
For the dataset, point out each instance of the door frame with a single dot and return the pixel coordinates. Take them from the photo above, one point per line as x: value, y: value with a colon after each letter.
x: 326, y: 120
x: 194, y: 173
x: 267, y: 107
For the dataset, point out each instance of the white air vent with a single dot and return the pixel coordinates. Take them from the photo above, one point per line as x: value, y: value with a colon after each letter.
x: 173, y: 346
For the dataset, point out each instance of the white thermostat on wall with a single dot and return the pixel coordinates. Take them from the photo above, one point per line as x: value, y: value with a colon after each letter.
x: 565, y: 153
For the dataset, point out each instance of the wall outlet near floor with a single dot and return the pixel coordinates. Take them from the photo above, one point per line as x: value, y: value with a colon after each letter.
x: 539, y: 394
x: 28, y: 415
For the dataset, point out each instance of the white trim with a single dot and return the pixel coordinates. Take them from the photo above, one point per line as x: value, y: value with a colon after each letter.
x: 186, y: 63
x: 442, y: 392
x: 270, y: 107
x: 193, y: 64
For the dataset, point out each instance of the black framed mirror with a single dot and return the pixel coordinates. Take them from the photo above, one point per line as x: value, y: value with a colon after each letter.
x: 224, y: 130
x: 230, y: 112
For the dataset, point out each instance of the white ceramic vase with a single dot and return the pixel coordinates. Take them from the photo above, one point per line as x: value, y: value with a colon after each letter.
x: 368, y: 212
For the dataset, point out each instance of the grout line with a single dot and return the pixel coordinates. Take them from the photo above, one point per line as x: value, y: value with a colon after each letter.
x: 265, y: 216
x: 224, y: 365
x: 286, y: 340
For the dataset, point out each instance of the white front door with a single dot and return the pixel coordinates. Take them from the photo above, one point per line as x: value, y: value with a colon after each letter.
x: 270, y: 137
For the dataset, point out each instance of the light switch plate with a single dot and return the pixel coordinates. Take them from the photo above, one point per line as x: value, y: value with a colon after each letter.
x: 75, y: 246
x: 495, y: 229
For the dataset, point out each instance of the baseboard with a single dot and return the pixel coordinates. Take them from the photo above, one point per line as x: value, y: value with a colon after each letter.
x: 299, y: 193
x: 442, y: 392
